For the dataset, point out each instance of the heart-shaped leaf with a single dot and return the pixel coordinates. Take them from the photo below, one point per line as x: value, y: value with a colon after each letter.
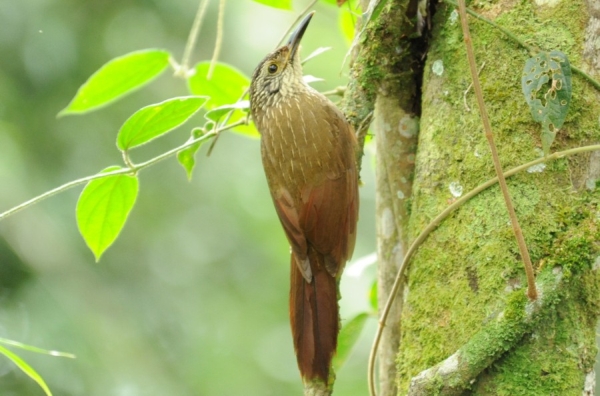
x: 103, y: 207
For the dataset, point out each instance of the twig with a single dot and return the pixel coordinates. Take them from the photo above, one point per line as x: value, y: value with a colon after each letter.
x: 531, y: 290
x: 183, y: 69
x: 123, y: 171
x: 432, y: 226
x: 218, y: 41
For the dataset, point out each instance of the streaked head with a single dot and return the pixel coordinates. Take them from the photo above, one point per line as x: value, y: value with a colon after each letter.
x: 278, y: 73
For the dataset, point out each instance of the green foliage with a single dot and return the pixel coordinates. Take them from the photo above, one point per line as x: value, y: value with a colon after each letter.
x: 152, y: 121
x: 187, y: 157
x: 347, y: 338
x: 574, y: 253
x: 105, y: 203
x: 103, y: 207
x: 225, y: 86
x: 546, y: 84
x: 282, y: 4
x: 373, y: 296
x: 26, y: 368
x: 31, y: 348
x: 117, y: 78
x: 218, y: 86
x: 347, y: 22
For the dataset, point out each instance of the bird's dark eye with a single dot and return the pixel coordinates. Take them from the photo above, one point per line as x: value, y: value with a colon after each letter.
x: 272, y: 68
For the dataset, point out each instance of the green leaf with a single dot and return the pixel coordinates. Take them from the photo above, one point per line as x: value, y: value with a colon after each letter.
x: 187, y: 157
x: 117, y: 78
x: 155, y: 120
x: 546, y: 84
x: 26, y: 368
x: 103, y: 207
x: 36, y: 349
x: 347, y: 339
x: 283, y: 4
x: 373, y: 296
x: 347, y: 22
x: 226, y: 85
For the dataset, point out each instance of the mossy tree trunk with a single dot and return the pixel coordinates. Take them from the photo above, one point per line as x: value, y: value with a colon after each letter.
x: 468, y: 278
x: 466, y: 325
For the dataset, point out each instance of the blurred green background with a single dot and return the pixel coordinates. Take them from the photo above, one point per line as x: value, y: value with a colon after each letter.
x: 192, y: 297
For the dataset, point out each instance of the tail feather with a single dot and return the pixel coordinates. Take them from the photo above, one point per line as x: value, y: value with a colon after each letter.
x: 314, y: 318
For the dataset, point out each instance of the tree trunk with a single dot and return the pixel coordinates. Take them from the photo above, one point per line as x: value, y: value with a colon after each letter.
x: 465, y: 315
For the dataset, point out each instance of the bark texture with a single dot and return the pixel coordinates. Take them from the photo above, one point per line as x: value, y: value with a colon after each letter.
x: 467, y: 279
x: 384, y: 86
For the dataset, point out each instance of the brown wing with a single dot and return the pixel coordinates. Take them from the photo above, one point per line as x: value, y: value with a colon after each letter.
x: 288, y: 216
x: 329, y: 209
x: 315, y: 188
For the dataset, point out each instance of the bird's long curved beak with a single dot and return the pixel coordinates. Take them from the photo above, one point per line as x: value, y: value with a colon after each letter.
x: 296, y: 37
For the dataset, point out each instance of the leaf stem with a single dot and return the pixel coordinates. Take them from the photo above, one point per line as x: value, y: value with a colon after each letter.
x: 123, y: 171
x: 432, y: 226
x: 531, y: 289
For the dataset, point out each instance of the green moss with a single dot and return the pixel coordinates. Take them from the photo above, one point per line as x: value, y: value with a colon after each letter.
x: 467, y: 272
x: 549, y: 360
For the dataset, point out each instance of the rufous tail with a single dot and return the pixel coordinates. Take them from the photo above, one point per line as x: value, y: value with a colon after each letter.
x: 314, y: 318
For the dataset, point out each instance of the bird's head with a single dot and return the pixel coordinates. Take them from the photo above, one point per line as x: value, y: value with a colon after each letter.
x: 280, y: 72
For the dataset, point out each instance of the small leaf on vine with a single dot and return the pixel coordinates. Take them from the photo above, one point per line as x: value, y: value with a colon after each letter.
x: 187, y: 157
x: 226, y: 86
x: 103, y: 207
x: 546, y: 84
x: 240, y: 109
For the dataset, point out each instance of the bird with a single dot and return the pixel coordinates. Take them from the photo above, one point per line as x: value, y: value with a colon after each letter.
x: 308, y: 151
